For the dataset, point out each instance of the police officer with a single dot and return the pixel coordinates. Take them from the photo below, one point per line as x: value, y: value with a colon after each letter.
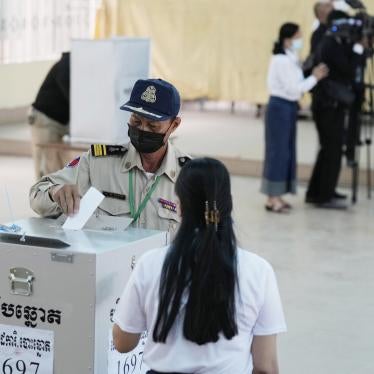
x: 137, y: 179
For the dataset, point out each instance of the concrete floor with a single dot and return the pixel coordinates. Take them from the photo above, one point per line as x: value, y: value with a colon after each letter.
x: 324, y: 262
x: 218, y: 133
x: 241, y: 135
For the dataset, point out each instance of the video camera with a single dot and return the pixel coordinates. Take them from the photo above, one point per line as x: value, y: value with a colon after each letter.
x: 353, y: 29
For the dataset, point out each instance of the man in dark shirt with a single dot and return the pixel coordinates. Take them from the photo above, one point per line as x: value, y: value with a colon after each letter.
x: 329, y: 112
x: 321, y: 11
x: 49, y: 117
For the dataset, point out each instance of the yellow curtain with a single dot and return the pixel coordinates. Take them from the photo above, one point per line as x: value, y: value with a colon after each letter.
x: 214, y: 49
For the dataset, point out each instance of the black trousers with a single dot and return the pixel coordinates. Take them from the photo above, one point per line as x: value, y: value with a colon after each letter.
x: 330, y: 127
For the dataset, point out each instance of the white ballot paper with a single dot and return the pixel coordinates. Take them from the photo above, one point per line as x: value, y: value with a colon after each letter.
x: 90, y: 201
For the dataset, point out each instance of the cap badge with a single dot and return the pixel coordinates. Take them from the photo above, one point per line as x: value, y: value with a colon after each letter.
x: 149, y: 95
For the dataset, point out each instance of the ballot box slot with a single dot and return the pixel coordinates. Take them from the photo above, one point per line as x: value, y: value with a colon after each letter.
x: 34, y: 241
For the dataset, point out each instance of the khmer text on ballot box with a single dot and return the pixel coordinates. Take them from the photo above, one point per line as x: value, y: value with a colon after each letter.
x: 56, y: 301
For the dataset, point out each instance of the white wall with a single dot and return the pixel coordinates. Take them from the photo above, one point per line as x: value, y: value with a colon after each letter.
x: 19, y: 83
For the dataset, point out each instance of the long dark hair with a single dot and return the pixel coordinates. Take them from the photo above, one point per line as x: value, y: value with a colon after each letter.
x: 287, y: 30
x: 202, y: 258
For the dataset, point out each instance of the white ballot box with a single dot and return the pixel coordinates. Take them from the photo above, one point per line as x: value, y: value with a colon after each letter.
x: 58, y: 292
x: 103, y: 73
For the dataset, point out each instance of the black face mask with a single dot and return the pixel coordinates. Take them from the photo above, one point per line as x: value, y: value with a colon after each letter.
x: 145, y: 141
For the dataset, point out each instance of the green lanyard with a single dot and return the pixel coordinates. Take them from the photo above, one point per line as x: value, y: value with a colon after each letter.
x: 136, y: 215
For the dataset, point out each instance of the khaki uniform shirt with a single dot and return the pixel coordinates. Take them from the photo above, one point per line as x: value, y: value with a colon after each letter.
x: 110, y: 175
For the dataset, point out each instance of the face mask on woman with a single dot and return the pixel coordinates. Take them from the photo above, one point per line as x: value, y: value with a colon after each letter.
x: 297, y: 44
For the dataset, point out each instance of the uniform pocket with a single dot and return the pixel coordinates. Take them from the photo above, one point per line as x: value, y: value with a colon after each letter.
x: 114, y: 207
x: 170, y: 220
x: 168, y: 214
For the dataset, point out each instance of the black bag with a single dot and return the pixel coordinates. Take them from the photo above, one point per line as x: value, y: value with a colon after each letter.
x: 340, y: 92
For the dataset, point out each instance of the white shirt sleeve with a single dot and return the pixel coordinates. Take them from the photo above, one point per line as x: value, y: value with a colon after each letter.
x: 285, y: 78
x: 130, y: 314
x: 271, y: 318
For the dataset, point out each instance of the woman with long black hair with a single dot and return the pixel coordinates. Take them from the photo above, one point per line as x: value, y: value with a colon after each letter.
x: 209, y: 307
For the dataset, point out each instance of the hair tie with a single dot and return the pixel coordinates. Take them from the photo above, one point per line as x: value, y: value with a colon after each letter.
x: 212, y: 216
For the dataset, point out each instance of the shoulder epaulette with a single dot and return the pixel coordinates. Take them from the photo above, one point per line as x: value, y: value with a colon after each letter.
x: 103, y: 150
x: 183, y: 160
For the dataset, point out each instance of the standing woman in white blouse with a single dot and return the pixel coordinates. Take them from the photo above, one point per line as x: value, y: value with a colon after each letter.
x: 286, y: 84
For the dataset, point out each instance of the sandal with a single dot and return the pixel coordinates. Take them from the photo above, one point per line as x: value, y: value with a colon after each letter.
x: 276, y: 208
x: 286, y: 205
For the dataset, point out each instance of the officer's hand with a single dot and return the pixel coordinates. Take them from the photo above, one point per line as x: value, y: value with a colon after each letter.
x: 67, y: 197
x: 320, y: 71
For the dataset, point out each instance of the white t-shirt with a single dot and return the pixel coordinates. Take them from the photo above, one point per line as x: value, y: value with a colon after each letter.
x: 259, y: 312
x: 149, y: 175
x: 286, y: 79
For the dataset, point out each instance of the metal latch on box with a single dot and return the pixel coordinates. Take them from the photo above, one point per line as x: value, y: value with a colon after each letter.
x: 21, y: 281
x: 62, y: 257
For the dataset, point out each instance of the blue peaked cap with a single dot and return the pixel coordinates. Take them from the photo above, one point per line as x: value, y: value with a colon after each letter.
x: 155, y: 99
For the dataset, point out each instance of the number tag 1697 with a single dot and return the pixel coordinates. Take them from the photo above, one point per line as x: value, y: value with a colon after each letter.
x: 24, y: 350
x: 13, y: 366
x: 128, y: 363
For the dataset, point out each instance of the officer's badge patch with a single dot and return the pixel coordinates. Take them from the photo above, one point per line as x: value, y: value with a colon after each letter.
x: 149, y: 95
x: 74, y: 163
x: 169, y: 205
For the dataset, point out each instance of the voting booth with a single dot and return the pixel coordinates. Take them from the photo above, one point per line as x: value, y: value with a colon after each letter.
x: 58, y: 292
x: 103, y: 73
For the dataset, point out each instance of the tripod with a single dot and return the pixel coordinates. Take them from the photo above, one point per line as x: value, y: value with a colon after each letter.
x: 366, y: 123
